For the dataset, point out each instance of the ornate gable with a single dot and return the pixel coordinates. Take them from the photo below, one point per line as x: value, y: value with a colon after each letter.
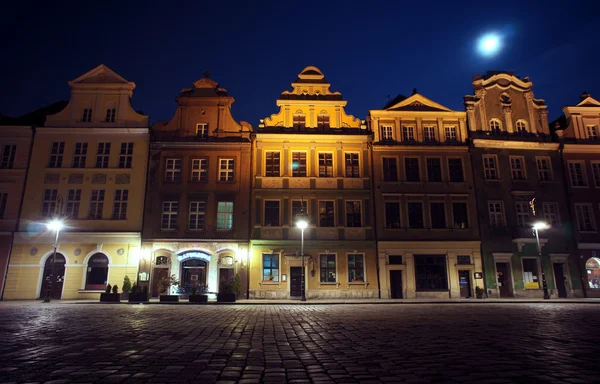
x: 100, y: 75
x: 417, y: 102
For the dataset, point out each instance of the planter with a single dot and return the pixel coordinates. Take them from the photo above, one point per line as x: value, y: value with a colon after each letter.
x: 138, y: 297
x: 169, y: 298
x: 199, y: 299
x: 226, y: 297
x: 110, y: 297
x: 125, y: 296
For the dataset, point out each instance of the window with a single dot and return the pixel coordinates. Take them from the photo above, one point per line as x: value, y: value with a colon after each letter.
x: 169, y: 215
x: 73, y: 201
x: 271, y: 213
x: 111, y: 113
x: 551, y: 214
x: 326, y: 214
x: 592, y: 132
x: 97, y: 272
x: 434, y: 170
x: 96, y: 204
x: 521, y: 126
x: 202, y: 130
x: 226, y: 170
x: 325, y: 165
x: 8, y: 156
x: 429, y: 133
x: 126, y: 155
x: 495, y: 126
x: 390, y: 169
x: 592, y: 268
x: 408, y: 133
x: 3, y: 199
x: 297, y: 207
x: 327, y: 268
x: 577, y: 173
x: 415, y: 215
x: 387, y: 132
x: 517, y: 168
x: 450, y: 133
x: 299, y: 121
x: 49, y: 202
x: 392, y: 215
x: 79, y: 155
x: 225, y: 215
x: 459, y: 213
x: 522, y: 208
x: 56, y: 154
x: 438, y: 215
x: 585, y: 218
x: 298, y: 164
x: 356, y: 268
x: 197, y: 215
x: 353, y: 214
x: 530, y: 273
x: 272, y: 164
x: 271, y: 267
x: 463, y: 260
x: 490, y: 167
x: 199, y: 169
x: 455, y: 169
x: 87, y: 115
x: 430, y: 273
x: 120, y: 204
x: 496, y: 212
x: 544, y: 168
x: 596, y: 173
x: 173, y: 170
x: 411, y: 167
x: 323, y: 121
x: 102, y: 155
x: 352, y: 165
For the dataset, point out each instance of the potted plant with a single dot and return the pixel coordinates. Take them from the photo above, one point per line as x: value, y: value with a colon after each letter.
x: 126, y: 288
x: 226, y: 292
x: 138, y: 295
x: 479, y: 292
x: 199, y: 295
x: 110, y: 295
x: 238, y: 285
x: 165, y: 284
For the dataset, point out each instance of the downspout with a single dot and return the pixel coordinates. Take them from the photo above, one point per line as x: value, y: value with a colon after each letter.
x: 373, y: 216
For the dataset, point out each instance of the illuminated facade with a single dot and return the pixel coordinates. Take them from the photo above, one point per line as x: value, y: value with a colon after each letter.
x: 515, y: 160
x: 427, y: 227
x: 88, y: 164
x: 579, y: 133
x: 198, y: 195
x: 313, y: 157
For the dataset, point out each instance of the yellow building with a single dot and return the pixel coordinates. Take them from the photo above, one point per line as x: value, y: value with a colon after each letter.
x: 88, y: 165
x: 312, y: 156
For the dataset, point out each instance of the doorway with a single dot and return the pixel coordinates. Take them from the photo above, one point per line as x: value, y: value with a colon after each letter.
x: 504, y: 280
x: 296, y: 281
x: 158, y: 274
x: 226, y: 276
x: 57, y: 283
x: 396, y: 284
x: 559, y: 277
x: 464, y: 283
x: 194, y: 274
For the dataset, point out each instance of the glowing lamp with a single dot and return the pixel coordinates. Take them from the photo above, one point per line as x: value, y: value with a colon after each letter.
x: 302, y: 220
x: 540, y: 225
x: 55, y: 225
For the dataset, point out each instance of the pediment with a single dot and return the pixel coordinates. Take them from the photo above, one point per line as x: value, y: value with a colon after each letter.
x: 417, y: 102
x: 99, y: 75
x: 589, y: 102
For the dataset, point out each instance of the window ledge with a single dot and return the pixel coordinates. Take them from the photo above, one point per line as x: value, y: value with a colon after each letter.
x: 357, y: 283
x: 270, y: 283
x: 334, y: 283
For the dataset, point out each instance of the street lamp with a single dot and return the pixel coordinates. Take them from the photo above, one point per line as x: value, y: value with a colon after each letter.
x: 302, y: 223
x: 536, y: 227
x: 55, y: 225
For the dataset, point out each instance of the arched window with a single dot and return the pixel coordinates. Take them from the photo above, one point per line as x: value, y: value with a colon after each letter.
x: 323, y: 120
x: 592, y: 268
x: 521, y: 126
x: 97, y: 272
x: 495, y: 126
x: 299, y: 120
x: 111, y: 112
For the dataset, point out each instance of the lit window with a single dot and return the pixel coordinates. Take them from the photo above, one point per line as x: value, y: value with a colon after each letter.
x: 120, y: 204
x: 298, y: 164
x: 226, y: 170
x: 102, y: 155
x: 173, y: 170
x: 199, y: 170
x: 96, y: 204
x: 530, y: 273
x: 271, y: 267
x: 224, y: 215
x: 8, y: 156
x: 80, y: 155
x: 169, y: 215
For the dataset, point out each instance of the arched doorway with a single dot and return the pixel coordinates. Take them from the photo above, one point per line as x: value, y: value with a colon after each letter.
x: 57, y: 283
x: 97, y: 272
x: 193, y: 274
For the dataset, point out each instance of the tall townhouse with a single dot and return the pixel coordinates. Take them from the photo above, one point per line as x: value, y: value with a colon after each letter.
x: 579, y: 130
x: 88, y: 167
x: 514, y: 162
x: 312, y: 157
x: 427, y: 231
x: 198, y: 196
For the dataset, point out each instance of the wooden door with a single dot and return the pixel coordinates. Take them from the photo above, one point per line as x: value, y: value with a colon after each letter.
x: 504, y: 280
x: 296, y: 281
x: 559, y: 277
x: 159, y: 273
x: 464, y: 283
x: 56, y: 283
x: 396, y: 284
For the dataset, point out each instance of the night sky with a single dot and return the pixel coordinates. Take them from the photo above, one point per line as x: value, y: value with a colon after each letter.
x: 255, y: 49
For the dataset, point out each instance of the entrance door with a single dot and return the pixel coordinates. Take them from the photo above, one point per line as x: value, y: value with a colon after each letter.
x: 296, y: 281
x: 194, y: 274
x: 225, y: 276
x: 396, y: 284
x: 504, y: 280
x: 56, y: 284
x: 559, y: 277
x: 159, y: 273
x: 465, y: 283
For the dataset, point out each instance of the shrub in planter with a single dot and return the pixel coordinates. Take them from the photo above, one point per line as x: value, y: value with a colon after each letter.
x: 138, y: 295
x: 226, y: 293
x: 109, y: 297
x: 126, y: 287
x: 479, y: 292
x: 115, y: 289
x: 169, y: 298
x: 108, y: 288
x: 198, y: 294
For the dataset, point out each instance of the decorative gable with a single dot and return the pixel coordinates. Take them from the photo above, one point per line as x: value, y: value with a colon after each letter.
x: 100, y: 75
x: 417, y: 102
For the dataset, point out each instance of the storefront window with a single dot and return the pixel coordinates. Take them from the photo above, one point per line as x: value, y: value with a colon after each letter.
x: 97, y: 272
x: 592, y: 268
x: 431, y: 273
x: 530, y: 274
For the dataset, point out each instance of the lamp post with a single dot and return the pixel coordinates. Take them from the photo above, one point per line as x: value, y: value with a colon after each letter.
x: 302, y: 223
x: 536, y: 227
x: 55, y: 225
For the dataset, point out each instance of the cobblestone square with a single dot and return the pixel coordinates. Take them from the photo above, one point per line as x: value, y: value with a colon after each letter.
x: 420, y: 343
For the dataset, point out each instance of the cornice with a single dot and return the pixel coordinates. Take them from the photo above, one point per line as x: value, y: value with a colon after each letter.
x: 582, y: 148
x: 509, y: 144
x: 92, y: 131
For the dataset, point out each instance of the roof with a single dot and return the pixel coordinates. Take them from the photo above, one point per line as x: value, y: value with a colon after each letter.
x: 37, y: 117
x: 204, y: 87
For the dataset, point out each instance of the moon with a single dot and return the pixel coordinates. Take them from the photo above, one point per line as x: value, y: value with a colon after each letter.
x: 489, y: 44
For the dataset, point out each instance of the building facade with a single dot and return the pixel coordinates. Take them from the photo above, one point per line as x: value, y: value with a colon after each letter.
x: 579, y: 131
x: 312, y: 157
x: 198, y: 197
x: 427, y: 227
x: 514, y: 162
x: 88, y: 167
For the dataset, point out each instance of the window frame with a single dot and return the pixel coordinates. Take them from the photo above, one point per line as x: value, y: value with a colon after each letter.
x: 8, y: 159
x: 522, y: 214
x: 549, y: 170
x: 120, y: 204
x: 385, y: 171
x: 201, y: 130
x: 408, y: 214
x: 326, y: 167
x: 525, y: 126
x: 299, y: 120
x: 200, y: 171
x: 103, y: 154
x: 450, y: 134
x: 353, y: 217
x: 73, y: 204
x: 328, y: 269
x: 427, y: 129
x: 487, y: 169
x: 584, y: 180
x: 501, y: 214
x: 298, y: 172
x: 441, y: 172
x: 172, y: 214
x: 398, y: 205
x: 443, y: 203
x: 548, y: 215
x: 111, y: 115
x: 514, y: 171
x: 593, y: 228
x: 272, y: 257
x: 197, y: 215
x: 323, y: 121
x: 96, y: 206
x: 385, y: 129
x: 327, y: 218
x: 595, y: 165
x: 467, y: 215
x: 174, y: 171
x: 353, y: 157
x: 49, y: 204
x: 422, y: 270
x: 278, y: 219
x: 272, y: 163
x: 495, y: 128
x: 56, y: 154
x: 406, y: 173
x: 588, y: 132
x: 538, y: 271
x: 229, y: 170
x: 364, y: 268
x: 3, y: 203
x: 408, y: 133
x: 86, y: 116
x: 225, y: 214
x: 80, y: 155
x: 462, y: 170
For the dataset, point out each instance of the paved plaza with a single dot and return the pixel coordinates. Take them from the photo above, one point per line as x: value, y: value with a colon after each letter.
x: 366, y: 343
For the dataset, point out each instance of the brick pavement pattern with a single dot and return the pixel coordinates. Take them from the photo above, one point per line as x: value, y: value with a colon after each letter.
x: 457, y: 343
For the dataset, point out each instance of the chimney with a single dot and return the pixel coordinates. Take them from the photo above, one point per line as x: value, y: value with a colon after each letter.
x: 584, y: 96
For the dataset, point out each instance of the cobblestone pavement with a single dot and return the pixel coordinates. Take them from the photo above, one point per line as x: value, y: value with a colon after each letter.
x: 458, y: 343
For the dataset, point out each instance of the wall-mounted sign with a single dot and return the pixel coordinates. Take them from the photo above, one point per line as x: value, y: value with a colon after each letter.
x: 478, y: 275
x: 283, y: 277
x: 144, y: 276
